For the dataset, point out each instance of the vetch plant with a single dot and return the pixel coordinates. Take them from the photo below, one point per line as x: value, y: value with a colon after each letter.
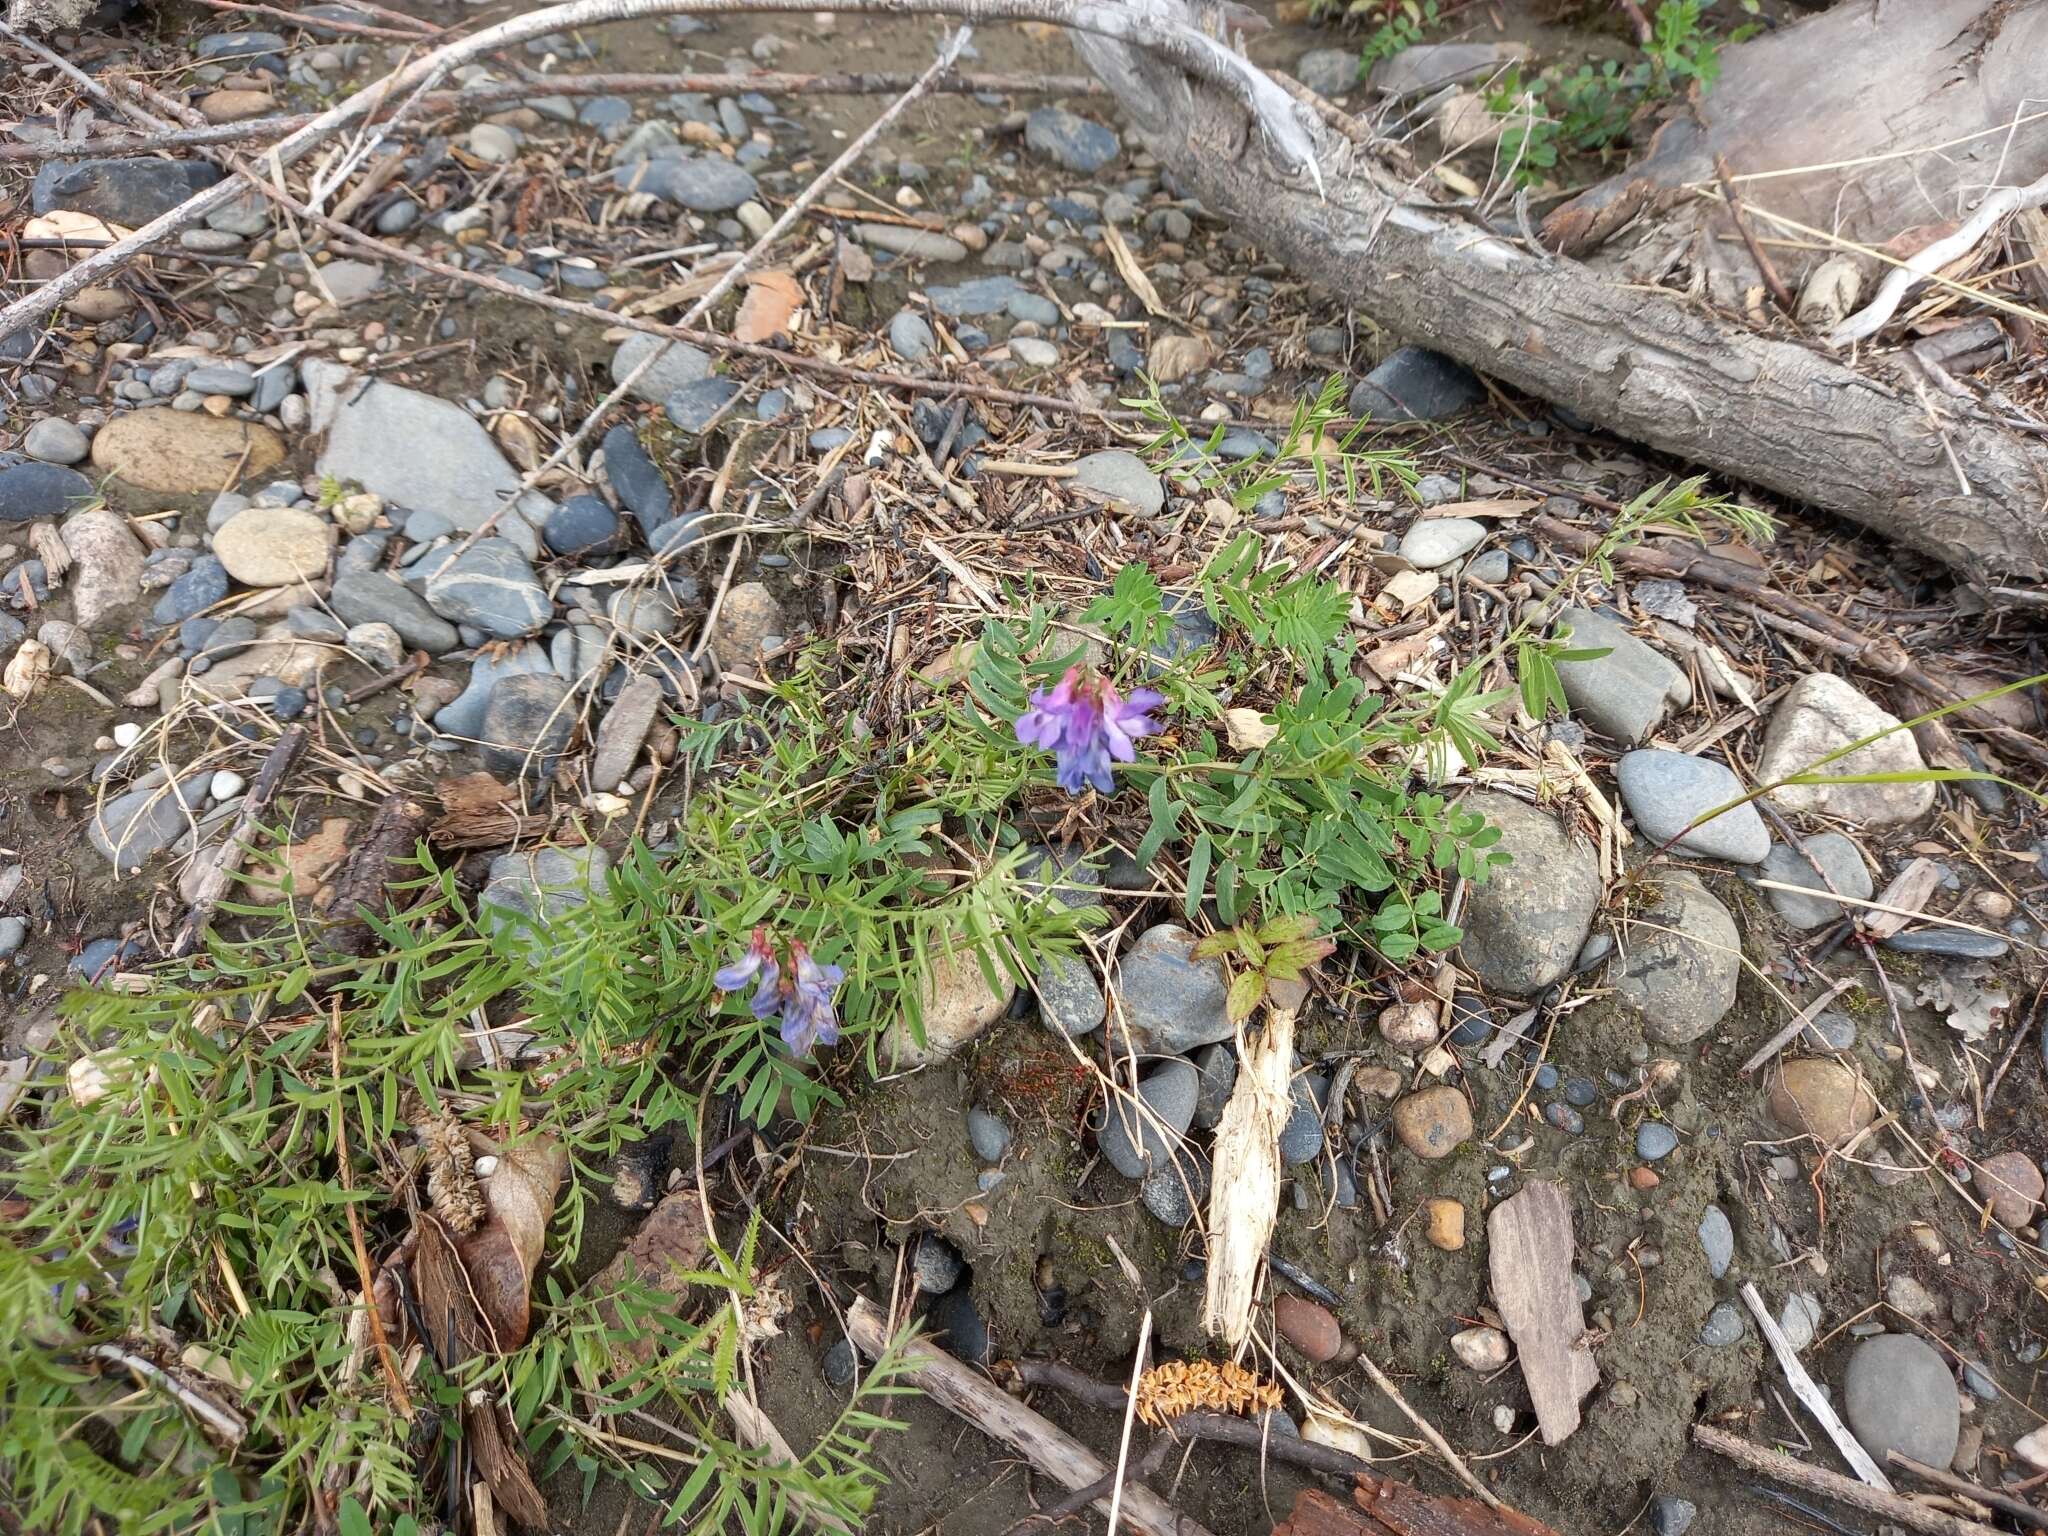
x: 801, y: 993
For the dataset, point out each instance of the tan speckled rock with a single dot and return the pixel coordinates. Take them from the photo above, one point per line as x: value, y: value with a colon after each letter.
x: 186, y: 453
x: 1433, y: 1123
x: 1818, y: 1097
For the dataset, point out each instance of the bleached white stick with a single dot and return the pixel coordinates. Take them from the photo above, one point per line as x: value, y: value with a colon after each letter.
x: 1808, y: 1393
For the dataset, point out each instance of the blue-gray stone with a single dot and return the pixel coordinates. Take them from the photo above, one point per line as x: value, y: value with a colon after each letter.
x: 372, y: 597
x: 771, y: 405
x: 1655, y: 1141
x: 1034, y: 307
x: 1581, y: 1091
x: 959, y: 1327
x: 238, y: 45
x: 1717, y: 1238
x: 221, y: 379
x: 1471, y: 1020
x: 989, y: 1137
x: 608, y: 114
x: 463, y: 716
x: 701, y: 183
x: 975, y: 297
x: 1667, y: 792
x: 1845, y: 871
x: 1724, y: 1326
x: 1671, y: 1516
x: 527, y: 724
x: 424, y: 526
x: 1546, y: 1078
x: 581, y: 525
x: 1301, y: 1138
x: 132, y: 826
x: 13, y: 934
x: 693, y: 407
x: 491, y: 586
x: 1136, y: 1144
x: 271, y: 386
x: 825, y: 439
x: 288, y: 703
x: 1955, y: 942
x: 31, y: 490
x: 635, y: 479
x: 126, y: 192
x: 1070, y: 140
x: 1416, y: 384
x: 312, y: 624
x: 910, y: 338
x: 1171, y: 1001
x: 205, y: 584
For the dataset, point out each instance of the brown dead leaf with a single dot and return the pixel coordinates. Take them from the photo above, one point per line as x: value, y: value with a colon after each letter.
x: 1910, y: 891
x: 521, y: 443
x: 309, y: 861
x: 772, y: 300
x: 500, y: 1257
x: 1404, y: 589
x: 446, y: 1306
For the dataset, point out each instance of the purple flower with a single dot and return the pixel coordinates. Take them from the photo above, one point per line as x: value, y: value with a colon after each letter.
x: 808, y: 1018
x: 804, y: 1001
x: 759, y: 960
x: 1085, y: 723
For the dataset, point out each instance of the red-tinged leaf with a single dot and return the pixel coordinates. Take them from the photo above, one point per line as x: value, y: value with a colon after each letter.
x: 1245, y: 991
x: 1302, y: 925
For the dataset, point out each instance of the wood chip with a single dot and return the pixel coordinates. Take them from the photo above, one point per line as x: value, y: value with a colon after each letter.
x: 1530, y: 1243
x: 1908, y: 894
x: 1133, y: 275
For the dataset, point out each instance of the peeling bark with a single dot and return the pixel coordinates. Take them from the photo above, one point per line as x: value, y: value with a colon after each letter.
x: 1643, y: 362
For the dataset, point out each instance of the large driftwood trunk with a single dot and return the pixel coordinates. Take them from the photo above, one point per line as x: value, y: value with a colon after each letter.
x: 1650, y: 365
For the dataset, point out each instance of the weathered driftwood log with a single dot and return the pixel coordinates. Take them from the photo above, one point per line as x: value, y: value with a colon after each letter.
x: 1648, y: 364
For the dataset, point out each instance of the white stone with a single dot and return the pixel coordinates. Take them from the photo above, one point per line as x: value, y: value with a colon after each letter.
x: 1821, y: 714
x: 1437, y: 541
x: 1480, y: 1349
x: 226, y: 784
x: 1034, y: 351
x: 127, y: 733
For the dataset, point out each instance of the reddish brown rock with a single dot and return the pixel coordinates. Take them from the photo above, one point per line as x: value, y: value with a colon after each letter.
x: 2012, y: 1184
x: 1309, y: 1327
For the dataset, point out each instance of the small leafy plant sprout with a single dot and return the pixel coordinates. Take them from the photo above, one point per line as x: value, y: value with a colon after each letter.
x: 799, y: 993
x: 1281, y: 949
x: 1086, y: 724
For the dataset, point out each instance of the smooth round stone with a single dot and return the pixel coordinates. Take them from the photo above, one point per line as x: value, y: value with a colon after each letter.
x: 1172, y: 1192
x: 1838, y: 857
x: 181, y: 452
x: 273, y: 546
x: 989, y: 1137
x: 2013, y: 1187
x: 1121, y: 476
x: 492, y: 143
x: 1480, y: 1349
x: 1820, y: 1097
x: 1655, y: 1141
x: 219, y: 379
x: 1471, y: 1020
x: 56, y: 441
x: 1580, y: 1092
x: 1437, y: 541
x: 1433, y: 1123
x: 839, y: 1364
x: 1565, y: 1118
x: 581, y: 525
x: 1134, y: 1143
x: 1667, y: 792
x: 29, y: 491
x: 127, y: 733
x: 1309, y: 1326
x: 1898, y: 1394
x: 226, y: 784
x: 1171, y: 1001
x: 1724, y: 1326
x: 1301, y: 1138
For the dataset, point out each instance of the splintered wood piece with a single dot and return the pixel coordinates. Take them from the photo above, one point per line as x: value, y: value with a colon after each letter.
x: 1529, y: 1238
x: 1388, y: 1508
x: 1002, y: 1418
x: 1244, y: 1195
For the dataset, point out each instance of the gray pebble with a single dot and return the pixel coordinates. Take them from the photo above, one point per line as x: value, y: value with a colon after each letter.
x: 989, y: 1137
x: 1655, y: 1141
x: 1724, y: 1326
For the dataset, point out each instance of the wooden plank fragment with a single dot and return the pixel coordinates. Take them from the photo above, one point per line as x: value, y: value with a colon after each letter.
x: 1530, y: 1241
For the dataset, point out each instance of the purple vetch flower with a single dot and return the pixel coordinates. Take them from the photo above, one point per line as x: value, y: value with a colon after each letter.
x: 808, y: 1017
x: 1085, y: 723
x: 759, y: 960
x: 800, y: 993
